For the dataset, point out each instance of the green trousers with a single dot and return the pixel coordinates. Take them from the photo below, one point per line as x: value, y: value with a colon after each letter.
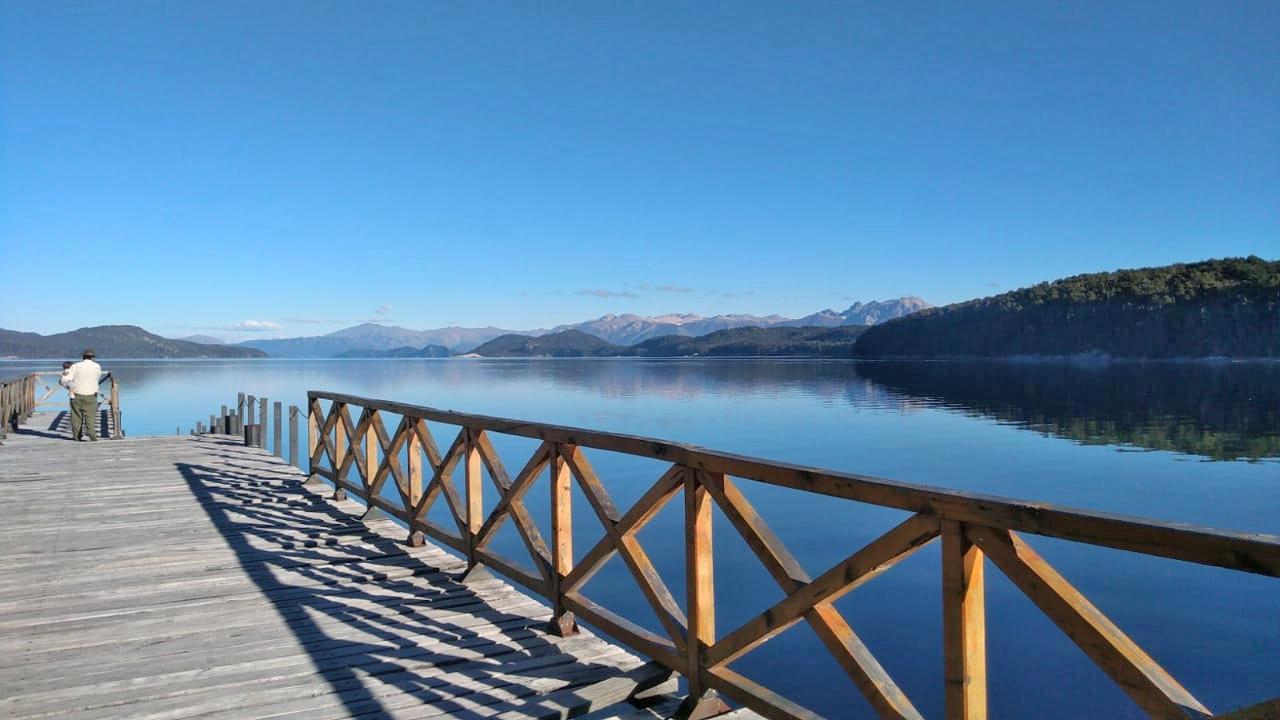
x: 84, y: 416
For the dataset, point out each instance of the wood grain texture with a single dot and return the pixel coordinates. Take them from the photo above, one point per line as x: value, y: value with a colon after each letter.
x: 211, y: 582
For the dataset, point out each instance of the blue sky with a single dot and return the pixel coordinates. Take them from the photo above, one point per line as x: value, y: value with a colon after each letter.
x: 192, y: 167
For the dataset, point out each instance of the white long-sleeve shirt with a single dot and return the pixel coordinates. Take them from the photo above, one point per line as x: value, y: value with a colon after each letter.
x: 82, y: 378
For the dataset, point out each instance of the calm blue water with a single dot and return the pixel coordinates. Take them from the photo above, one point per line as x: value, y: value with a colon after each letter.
x: 1195, y: 443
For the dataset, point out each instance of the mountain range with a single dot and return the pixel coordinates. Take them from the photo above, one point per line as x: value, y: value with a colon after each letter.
x: 113, y: 341
x: 613, y: 329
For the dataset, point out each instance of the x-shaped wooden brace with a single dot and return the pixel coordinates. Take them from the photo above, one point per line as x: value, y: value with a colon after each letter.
x: 620, y: 537
x: 811, y: 599
x: 324, y: 449
x: 442, y: 467
x: 353, y: 454
x: 390, y: 464
x: 511, y: 502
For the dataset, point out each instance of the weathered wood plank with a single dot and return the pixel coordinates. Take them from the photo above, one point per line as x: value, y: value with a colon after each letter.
x: 214, y: 583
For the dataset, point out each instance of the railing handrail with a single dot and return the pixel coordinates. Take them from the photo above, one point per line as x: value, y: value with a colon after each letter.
x: 973, y: 527
x: 18, y: 406
x: 1245, y: 551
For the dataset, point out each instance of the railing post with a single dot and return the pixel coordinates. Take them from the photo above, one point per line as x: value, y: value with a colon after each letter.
x: 473, y: 502
x: 116, y: 431
x: 4, y: 411
x: 293, y: 435
x: 313, y: 432
x: 964, y: 636
x: 416, y: 538
x: 370, y: 454
x: 339, y: 454
x: 250, y: 403
x: 702, y: 701
x: 562, y: 621
x: 276, y: 430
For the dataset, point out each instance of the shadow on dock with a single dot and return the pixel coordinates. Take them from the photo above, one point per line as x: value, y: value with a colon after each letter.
x: 390, y: 630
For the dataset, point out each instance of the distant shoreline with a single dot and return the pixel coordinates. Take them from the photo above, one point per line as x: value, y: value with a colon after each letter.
x: 1078, y: 360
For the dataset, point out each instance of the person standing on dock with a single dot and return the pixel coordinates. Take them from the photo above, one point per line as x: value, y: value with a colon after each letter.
x: 82, y: 380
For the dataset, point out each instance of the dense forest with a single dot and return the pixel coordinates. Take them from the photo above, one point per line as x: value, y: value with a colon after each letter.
x: 754, y: 341
x: 1227, y: 307
x: 427, y: 351
x: 737, y: 342
x: 112, y: 341
x: 570, y: 343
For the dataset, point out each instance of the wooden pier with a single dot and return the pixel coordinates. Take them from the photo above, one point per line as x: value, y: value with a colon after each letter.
x: 176, y: 576
x: 197, y: 575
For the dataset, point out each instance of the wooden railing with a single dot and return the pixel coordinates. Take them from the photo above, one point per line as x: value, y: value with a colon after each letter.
x: 972, y: 528
x: 111, y: 396
x: 17, y: 402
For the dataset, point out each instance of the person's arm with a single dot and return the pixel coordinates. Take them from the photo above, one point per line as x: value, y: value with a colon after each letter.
x: 66, y: 379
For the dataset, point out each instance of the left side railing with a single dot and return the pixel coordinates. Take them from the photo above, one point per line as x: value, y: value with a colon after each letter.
x: 28, y: 387
x: 17, y: 401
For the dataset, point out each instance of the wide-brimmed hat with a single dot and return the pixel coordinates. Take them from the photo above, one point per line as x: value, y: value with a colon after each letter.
x: 88, y: 352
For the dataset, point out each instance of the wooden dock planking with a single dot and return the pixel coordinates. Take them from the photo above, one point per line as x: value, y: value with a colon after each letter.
x: 179, y: 576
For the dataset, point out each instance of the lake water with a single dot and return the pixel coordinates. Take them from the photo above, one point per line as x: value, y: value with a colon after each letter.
x: 1195, y: 442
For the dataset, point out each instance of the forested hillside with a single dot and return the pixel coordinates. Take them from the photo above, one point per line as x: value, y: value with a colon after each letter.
x: 113, y: 341
x: 754, y: 341
x: 1227, y: 307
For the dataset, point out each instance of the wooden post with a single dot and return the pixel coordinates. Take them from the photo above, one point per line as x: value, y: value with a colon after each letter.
x: 474, y: 498
x: 293, y: 435
x: 702, y: 702
x: 116, y: 430
x: 339, y: 453
x: 262, y: 420
x: 370, y: 453
x: 250, y: 403
x: 277, y: 430
x: 964, y: 636
x: 562, y: 621
x: 31, y: 395
x: 240, y: 404
x: 416, y: 538
x: 313, y: 436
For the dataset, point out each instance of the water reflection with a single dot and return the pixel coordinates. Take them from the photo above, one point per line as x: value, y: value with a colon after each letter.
x: 1218, y: 411
x: 1221, y: 411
